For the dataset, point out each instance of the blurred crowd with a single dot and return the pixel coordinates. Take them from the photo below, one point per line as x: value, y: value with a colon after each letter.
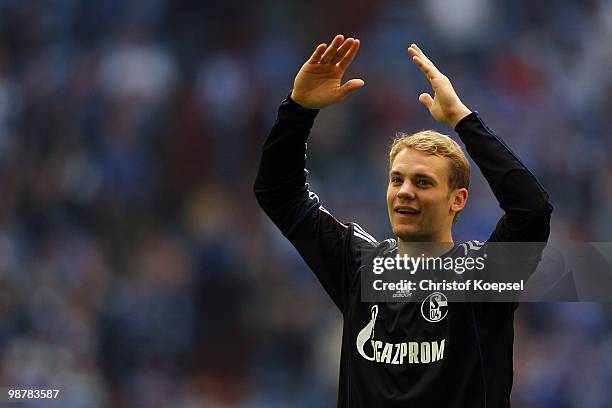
x: 136, y: 269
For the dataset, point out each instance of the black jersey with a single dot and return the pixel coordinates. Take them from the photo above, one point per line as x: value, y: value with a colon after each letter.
x: 392, y: 356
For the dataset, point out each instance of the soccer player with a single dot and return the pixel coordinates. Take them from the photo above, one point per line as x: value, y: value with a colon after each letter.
x: 394, y: 355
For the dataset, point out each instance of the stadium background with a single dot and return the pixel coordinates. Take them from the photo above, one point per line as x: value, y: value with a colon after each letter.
x: 136, y: 269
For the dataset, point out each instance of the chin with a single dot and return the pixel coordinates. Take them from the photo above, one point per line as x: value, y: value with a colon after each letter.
x: 409, y: 234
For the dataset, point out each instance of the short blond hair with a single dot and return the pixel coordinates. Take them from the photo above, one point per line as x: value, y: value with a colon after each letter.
x: 432, y: 142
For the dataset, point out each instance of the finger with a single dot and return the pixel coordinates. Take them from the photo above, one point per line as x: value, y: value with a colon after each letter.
x: 417, y: 48
x: 332, y: 49
x: 350, y: 86
x: 415, y: 51
x: 427, y: 69
x: 318, y: 53
x: 419, y: 52
x: 344, y: 48
x: 426, y: 100
x: 350, y: 56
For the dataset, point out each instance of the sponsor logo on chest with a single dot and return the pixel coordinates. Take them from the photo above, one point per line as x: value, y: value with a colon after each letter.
x: 408, y: 352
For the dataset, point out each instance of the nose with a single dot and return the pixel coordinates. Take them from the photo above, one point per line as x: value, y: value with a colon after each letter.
x: 406, y: 191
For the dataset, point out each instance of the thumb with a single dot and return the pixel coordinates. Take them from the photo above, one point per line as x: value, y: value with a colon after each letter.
x: 350, y: 86
x: 426, y: 100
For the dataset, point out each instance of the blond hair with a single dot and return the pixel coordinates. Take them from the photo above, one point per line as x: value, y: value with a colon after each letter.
x: 432, y: 142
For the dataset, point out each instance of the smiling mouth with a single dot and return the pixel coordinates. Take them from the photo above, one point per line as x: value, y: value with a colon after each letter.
x: 407, y: 211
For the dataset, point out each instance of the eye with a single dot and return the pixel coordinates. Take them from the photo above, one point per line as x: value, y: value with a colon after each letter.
x: 423, y: 183
x: 396, y: 180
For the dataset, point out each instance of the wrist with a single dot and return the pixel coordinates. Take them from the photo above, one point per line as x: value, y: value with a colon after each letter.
x: 298, y: 100
x: 297, y: 107
x: 300, y: 106
x: 460, y: 113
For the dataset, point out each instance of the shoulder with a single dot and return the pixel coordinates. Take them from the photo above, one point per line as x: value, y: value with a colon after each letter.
x: 473, y: 246
x: 363, y: 241
x: 361, y: 237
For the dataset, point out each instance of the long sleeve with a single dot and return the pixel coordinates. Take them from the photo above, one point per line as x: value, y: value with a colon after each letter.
x: 523, y: 199
x: 282, y: 192
x: 281, y: 179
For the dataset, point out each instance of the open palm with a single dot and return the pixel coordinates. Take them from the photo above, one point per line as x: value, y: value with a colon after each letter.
x: 445, y: 106
x: 318, y: 83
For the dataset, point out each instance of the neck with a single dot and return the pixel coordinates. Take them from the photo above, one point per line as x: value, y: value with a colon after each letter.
x: 430, y: 247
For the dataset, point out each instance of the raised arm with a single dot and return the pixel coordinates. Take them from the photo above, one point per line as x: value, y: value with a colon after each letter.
x: 281, y: 187
x: 523, y: 199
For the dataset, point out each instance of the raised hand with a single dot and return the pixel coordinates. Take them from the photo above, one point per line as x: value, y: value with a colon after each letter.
x: 317, y: 84
x: 445, y: 106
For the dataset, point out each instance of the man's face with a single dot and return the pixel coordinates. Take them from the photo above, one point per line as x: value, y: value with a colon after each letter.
x: 420, y: 203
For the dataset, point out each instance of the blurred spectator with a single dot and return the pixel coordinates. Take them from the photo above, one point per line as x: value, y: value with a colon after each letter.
x: 136, y: 269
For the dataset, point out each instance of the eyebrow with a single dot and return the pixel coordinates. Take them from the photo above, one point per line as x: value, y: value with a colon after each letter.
x: 421, y: 175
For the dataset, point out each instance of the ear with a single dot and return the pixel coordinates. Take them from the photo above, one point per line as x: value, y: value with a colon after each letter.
x: 459, y: 199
